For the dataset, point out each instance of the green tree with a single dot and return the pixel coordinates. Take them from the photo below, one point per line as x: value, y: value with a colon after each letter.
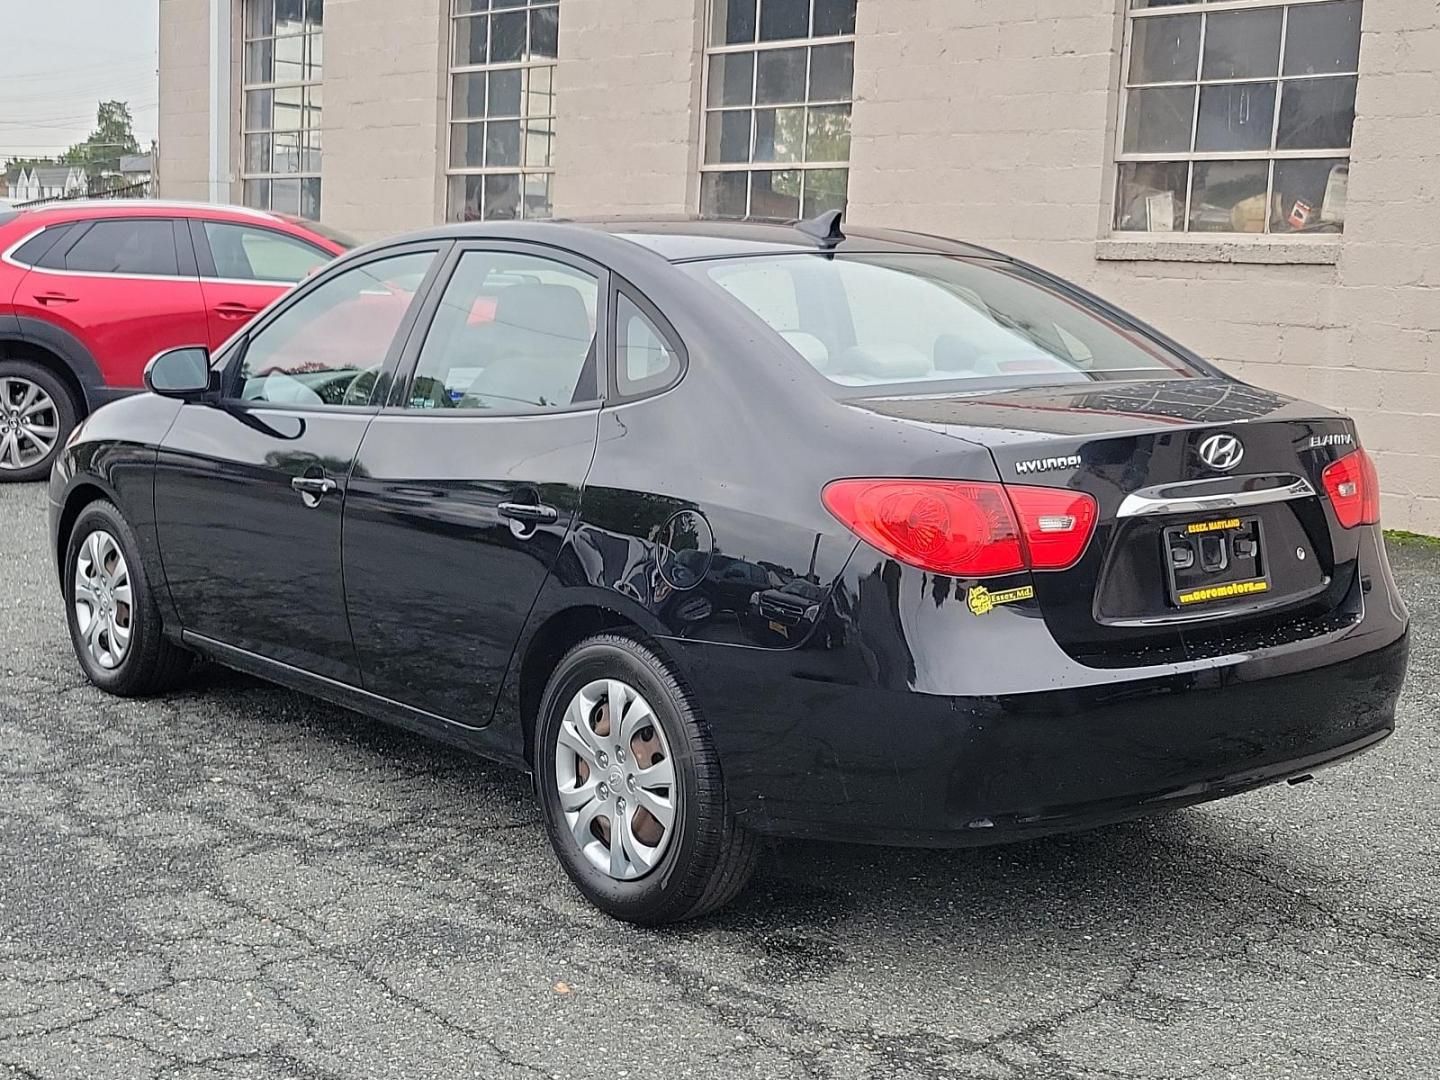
x: 113, y: 136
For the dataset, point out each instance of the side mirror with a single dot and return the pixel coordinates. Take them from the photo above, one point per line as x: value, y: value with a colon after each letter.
x: 180, y: 373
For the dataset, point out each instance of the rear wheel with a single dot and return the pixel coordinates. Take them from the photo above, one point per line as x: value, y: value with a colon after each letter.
x: 113, y: 618
x: 630, y: 787
x: 37, y: 415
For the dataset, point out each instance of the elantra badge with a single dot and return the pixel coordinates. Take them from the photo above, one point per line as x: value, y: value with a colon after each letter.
x: 1221, y: 452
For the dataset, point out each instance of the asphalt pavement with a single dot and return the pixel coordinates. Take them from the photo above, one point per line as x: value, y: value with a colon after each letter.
x: 236, y: 881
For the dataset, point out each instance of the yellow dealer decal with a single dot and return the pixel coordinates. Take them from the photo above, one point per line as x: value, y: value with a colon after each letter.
x: 1222, y: 592
x: 982, y: 599
x: 1213, y: 526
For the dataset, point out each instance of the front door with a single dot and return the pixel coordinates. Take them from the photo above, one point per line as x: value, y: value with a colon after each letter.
x: 249, y: 492
x: 464, y: 489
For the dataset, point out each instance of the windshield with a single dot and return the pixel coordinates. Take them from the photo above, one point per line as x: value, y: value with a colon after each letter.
x: 881, y: 319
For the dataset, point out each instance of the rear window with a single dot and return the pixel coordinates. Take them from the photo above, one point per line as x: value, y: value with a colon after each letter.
x: 882, y: 319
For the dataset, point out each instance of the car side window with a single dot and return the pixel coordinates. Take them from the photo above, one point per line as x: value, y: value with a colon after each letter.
x: 512, y: 332
x: 144, y: 247
x: 644, y: 358
x: 329, y: 346
x: 246, y: 253
x: 44, y: 250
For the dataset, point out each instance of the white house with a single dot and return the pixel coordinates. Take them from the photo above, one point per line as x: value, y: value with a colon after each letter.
x: 46, y: 182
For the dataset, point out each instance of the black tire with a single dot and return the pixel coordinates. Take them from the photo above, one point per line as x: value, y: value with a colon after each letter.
x: 150, y: 663
x: 709, y: 858
x: 65, y: 410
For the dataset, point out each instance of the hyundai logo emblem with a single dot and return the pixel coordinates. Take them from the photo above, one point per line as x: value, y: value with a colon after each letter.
x: 1221, y: 452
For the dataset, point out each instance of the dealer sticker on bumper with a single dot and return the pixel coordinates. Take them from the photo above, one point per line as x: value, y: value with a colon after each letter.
x: 1222, y: 592
x: 982, y: 600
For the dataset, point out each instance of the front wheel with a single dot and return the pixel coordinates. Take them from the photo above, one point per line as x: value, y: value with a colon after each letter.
x: 630, y: 787
x: 113, y: 618
x: 36, y: 417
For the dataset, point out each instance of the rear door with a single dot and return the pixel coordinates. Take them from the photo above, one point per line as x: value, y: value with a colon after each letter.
x: 465, y: 487
x: 244, y: 267
x: 126, y: 287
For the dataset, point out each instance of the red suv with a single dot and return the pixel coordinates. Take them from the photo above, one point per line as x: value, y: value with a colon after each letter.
x: 90, y: 291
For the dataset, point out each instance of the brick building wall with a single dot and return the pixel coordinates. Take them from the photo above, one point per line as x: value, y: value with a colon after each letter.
x: 991, y: 120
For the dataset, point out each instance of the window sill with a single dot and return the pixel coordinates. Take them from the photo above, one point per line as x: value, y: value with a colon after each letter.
x: 1321, y: 250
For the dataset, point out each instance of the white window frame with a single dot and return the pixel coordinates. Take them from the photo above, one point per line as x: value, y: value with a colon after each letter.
x: 454, y: 17
x: 308, y: 112
x: 757, y: 47
x: 1190, y: 157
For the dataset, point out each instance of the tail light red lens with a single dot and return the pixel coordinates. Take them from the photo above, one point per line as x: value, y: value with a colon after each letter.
x: 965, y: 529
x: 1354, y: 489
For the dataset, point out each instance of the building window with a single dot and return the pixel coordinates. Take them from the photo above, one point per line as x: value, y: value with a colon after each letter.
x: 502, y: 108
x: 1237, y: 119
x: 280, y: 114
x: 779, y: 81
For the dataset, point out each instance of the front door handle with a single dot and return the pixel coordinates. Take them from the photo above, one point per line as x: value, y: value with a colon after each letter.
x: 45, y: 299
x: 232, y: 310
x: 313, y: 488
x: 529, y: 513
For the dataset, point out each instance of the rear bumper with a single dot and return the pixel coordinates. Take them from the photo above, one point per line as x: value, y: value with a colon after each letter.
x: 838, y: 741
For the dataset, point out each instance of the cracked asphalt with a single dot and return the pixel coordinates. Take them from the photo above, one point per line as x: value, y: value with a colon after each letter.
x: 235, y: 881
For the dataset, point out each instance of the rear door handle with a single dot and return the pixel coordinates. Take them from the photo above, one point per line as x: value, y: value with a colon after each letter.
x: 48, y: 298
x: 313, y: 488
x: 233, y: 310
x: 529, y: 513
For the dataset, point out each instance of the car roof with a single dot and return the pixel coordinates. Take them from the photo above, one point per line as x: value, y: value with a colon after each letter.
x: 686, y: 239
x: 79, y: 209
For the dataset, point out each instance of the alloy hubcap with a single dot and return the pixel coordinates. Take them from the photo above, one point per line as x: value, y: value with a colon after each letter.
x: 616, y: 779
x: 103, y: 612
x: 29, y: 423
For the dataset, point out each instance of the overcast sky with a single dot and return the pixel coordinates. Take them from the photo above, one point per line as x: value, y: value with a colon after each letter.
x: 60, y: 58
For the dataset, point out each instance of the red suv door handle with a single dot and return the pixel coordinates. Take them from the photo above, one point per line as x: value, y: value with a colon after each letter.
x: 236, y: 311
x: 48, y: 298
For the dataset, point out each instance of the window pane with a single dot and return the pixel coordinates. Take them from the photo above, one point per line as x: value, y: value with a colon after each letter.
x: 545, y: 33
x: 256, y: 194
x: 1229, y: 196
x: 537, y: 196
x: 781, y: 76
x: 259, y: 18
x: 1310, y: 195
x: 471, y: 37
x: 289, y: 16
x: 260, y: 61
x: 824, y: 190
x: 289, y: 59
x: 286, y: 157
x: 1317, y: 114
x: 505, y: 92
x: 1165, y: 49
x: 1235, y: 116
x: 285, y: 196
x: 467, y: 145
x: 732, y: 79
x: 287, y: 108
x: 775, y: 194
x: 144, y: 247
x: 502, y: 143
x: 257, y: 153
x: 832, y: 72
x: 259, y: 109
x: 539, y: 92
x: 645, y: 361
x: 827, y: 133
x: 310, y: 153
x: 512, y: 332
x: 722, y: 194
x: 733, y: 22
x: 463, y: 7
x: 780, y: 134
x: 468, y: 96
x: 538, y: 142
x: 465, y: 197
x: 314, y: 14
x: 727, y: 136
x: 502, y: 197
x: 507, y: 37
x: 244, y: 253
x: 1157, y: 120
x: 1151, y: 196
x: 1242, y: 44
x: 310, y: 198
x: 834, y: 17
x: 784, y: 19
x: 1323, y: 38
x: 321, y: 348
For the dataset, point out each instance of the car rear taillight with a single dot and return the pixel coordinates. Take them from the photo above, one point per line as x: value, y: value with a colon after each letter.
x: 1354, y: 489
x: 964, y: 528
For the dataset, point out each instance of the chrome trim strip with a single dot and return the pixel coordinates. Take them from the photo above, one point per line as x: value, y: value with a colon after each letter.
x: 1202, y: 496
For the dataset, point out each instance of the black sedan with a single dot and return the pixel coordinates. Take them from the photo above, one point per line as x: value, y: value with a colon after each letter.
x: 726, y: 531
